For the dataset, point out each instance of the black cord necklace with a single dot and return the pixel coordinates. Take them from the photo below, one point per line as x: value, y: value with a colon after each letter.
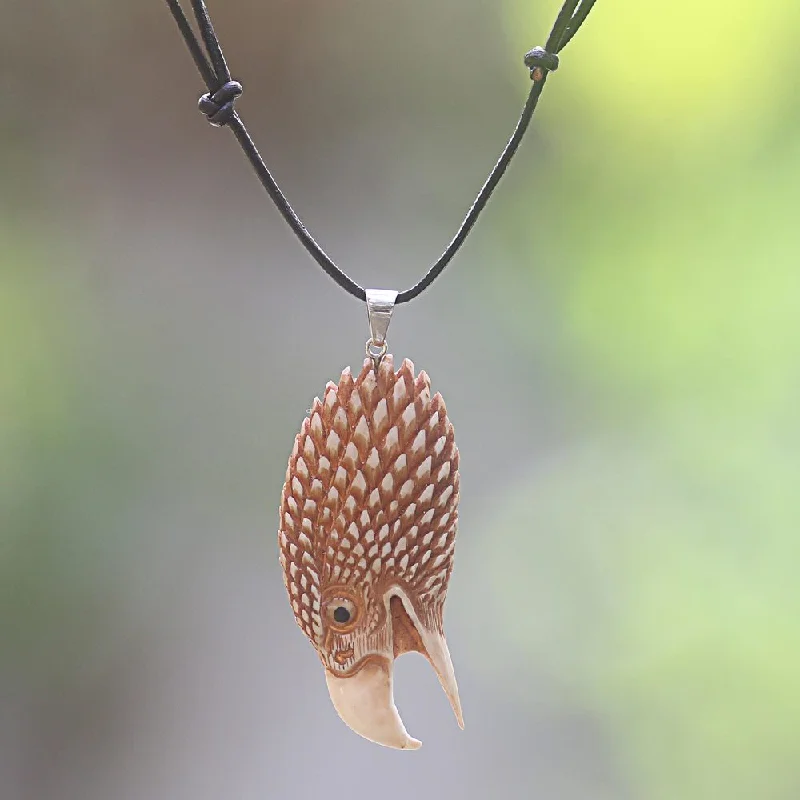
x: 218, y: 106
x: 369, y: 508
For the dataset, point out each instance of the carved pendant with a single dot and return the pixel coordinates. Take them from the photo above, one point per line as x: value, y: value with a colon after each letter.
x: 367, y: 532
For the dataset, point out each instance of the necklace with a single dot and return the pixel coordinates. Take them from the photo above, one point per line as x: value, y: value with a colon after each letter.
x: 369, y: 509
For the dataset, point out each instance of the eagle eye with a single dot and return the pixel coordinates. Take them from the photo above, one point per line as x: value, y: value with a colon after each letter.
x: 342, y: 612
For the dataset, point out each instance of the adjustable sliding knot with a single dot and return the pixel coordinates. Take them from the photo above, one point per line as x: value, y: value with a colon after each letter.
x: 540, y: 62
x: 218, y: 107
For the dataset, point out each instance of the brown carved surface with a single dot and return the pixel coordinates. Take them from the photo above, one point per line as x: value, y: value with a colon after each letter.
x: 370, y: 502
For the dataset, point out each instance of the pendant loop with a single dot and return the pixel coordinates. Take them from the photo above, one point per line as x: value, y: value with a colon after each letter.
x: 380, y: 304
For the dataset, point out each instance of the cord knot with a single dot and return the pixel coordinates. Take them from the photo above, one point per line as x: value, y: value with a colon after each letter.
x: 218, y: 107
x: 539, y: 62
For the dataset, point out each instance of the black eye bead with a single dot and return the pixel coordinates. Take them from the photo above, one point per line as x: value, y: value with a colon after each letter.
x: 341, y: 615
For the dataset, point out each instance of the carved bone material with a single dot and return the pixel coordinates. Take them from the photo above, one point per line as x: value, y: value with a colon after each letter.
x: 367, y: 533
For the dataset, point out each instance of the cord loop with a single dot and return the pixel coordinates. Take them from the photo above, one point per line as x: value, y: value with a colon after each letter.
x: 539, y: 61
x: 218, y: 107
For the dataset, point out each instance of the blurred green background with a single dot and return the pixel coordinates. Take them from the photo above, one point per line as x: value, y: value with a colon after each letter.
x: 618, y: 344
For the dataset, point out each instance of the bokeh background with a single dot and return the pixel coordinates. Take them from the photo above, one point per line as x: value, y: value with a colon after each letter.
x: 618, y: 344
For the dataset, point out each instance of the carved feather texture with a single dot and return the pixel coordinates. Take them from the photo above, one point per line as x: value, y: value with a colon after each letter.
x: 370, y: 501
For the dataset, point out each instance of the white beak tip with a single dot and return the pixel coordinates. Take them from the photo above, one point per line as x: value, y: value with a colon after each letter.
x: 365, y: 704
x: 412, y: 744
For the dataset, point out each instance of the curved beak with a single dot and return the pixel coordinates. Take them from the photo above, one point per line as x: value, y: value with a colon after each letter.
x: 365, y: 700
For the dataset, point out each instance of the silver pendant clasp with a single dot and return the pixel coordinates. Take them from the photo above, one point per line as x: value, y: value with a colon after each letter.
x: 380, y: 304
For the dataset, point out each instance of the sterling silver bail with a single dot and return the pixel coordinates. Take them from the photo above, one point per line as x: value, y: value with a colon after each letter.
x: 380, y: 304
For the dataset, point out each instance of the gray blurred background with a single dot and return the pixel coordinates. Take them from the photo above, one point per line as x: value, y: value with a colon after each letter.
x: 618, y: 345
